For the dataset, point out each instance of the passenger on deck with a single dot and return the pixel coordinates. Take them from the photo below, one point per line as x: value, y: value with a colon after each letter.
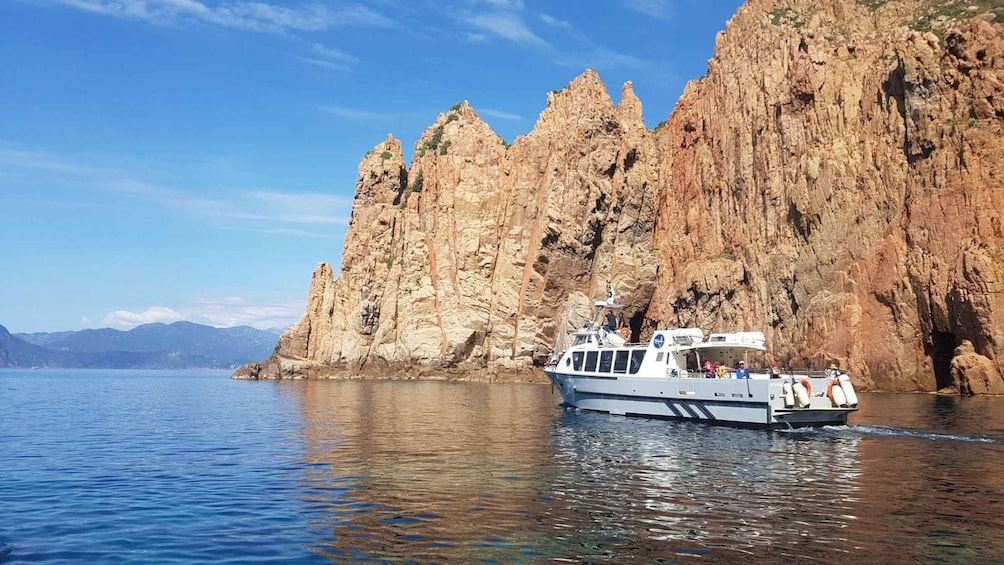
x: 611, y: 322
x: 709, y: 369
x: 742, y: 372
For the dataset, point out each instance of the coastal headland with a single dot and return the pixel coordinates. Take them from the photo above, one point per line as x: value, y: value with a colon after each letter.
x: 834, y: 181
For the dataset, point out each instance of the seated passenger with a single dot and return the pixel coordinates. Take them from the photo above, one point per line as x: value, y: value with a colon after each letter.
x: 742, y: 372
x: 709, y: 369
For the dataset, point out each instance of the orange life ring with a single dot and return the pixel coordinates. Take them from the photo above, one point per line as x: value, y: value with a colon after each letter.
x: 807, y: 385
x: 625, y: 332
x: 829, y: 389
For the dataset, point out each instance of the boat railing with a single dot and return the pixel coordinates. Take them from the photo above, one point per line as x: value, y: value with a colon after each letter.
x: 606, y: 345
x: 810, y: 373
x: 754, y: 374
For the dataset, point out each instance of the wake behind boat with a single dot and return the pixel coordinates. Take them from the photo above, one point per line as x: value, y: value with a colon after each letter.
x: 682, y: 374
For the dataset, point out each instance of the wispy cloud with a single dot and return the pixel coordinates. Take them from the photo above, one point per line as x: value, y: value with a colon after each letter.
x: 19, y: 158
x: 332, y: 54
x: 328, y: 58
x: 601, y: 58
x: 504, y: 19
x: 563, y: 25
x: 283, y: 18
x: 329, y: 65
x: 243, y: 14
x: 352, y: 113
x: 278, y: 210
x: 499, y: 114
x: 662, y: 9
x: 269, y: 207
x: 300, y: 207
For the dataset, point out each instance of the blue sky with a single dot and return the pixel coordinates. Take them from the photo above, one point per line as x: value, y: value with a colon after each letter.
x: 195, y: 159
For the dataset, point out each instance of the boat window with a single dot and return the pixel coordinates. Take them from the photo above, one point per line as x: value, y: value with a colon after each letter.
x: 606, y: 359
x: 658, y: 357
x: 636, y: 357
x: 621, y: 361
x: 579, y: 340
x: 577, y: 360
x: 591, y: 357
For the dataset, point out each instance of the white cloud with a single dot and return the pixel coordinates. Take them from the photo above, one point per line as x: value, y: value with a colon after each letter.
x: 40, y: 160
x: 510, y: 4
x: 328, y: 58
x: 124, y: 319
x: 501, y: 19
x: 237, y: 311
x: 332, y: 54
x: 352, y: 114
x: 555, y: 22
x: 243, y: 14
x: 503, y: 24
x: 662, y: 9
x: 500, y: 114
x: 279, y: 211
x: 222, y: 313
x: 302, y: 207
x: 329, y: 65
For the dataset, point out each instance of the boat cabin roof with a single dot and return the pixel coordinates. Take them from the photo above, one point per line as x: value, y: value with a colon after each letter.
x: 682, y: 339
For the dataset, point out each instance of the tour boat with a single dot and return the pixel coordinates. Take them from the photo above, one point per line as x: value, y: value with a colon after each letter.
x: 683, y: 374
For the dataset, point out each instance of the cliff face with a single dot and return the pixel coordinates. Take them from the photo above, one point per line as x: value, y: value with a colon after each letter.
x: 481, y: 256
x: 851, y: 200
x: 834, y: 181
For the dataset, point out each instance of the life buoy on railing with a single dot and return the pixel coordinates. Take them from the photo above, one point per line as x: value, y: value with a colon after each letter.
x: 625, y: 333
x: 802, y: 389
x: 848, y: 388
x: 836, y: 394
x: 807, y: 385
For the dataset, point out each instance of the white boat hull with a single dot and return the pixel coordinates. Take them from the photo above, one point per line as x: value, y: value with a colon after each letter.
x: 755, y: 402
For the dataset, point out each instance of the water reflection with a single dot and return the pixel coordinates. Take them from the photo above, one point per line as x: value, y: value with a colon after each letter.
x: 935, y: 488
x: 705, y: 490
x: 424, y: 470
x: 460, y: 472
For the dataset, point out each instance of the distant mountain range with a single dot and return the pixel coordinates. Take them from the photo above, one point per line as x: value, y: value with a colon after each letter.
x: 181, y: 345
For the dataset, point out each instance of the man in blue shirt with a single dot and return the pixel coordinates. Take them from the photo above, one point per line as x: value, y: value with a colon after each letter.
x: 742, y: 372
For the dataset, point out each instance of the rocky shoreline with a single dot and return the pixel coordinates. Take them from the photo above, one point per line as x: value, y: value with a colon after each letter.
x: 297, y: 369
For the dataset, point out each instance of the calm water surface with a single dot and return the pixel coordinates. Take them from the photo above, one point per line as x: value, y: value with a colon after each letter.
x: 192, y: 467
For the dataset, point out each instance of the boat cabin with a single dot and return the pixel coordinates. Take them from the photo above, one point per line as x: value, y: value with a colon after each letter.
x: 682, y: 352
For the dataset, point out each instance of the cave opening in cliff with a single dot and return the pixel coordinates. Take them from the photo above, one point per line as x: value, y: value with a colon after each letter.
x: 635, y: 323
x: 941, y: 349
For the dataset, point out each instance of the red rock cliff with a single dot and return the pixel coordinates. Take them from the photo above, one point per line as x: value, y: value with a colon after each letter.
x: 834, y: 180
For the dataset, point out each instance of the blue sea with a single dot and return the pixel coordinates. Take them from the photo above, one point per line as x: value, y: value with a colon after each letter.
x: 193, y: 467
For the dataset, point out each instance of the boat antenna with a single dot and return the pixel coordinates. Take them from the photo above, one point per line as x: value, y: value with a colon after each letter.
x: 611, y: 294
